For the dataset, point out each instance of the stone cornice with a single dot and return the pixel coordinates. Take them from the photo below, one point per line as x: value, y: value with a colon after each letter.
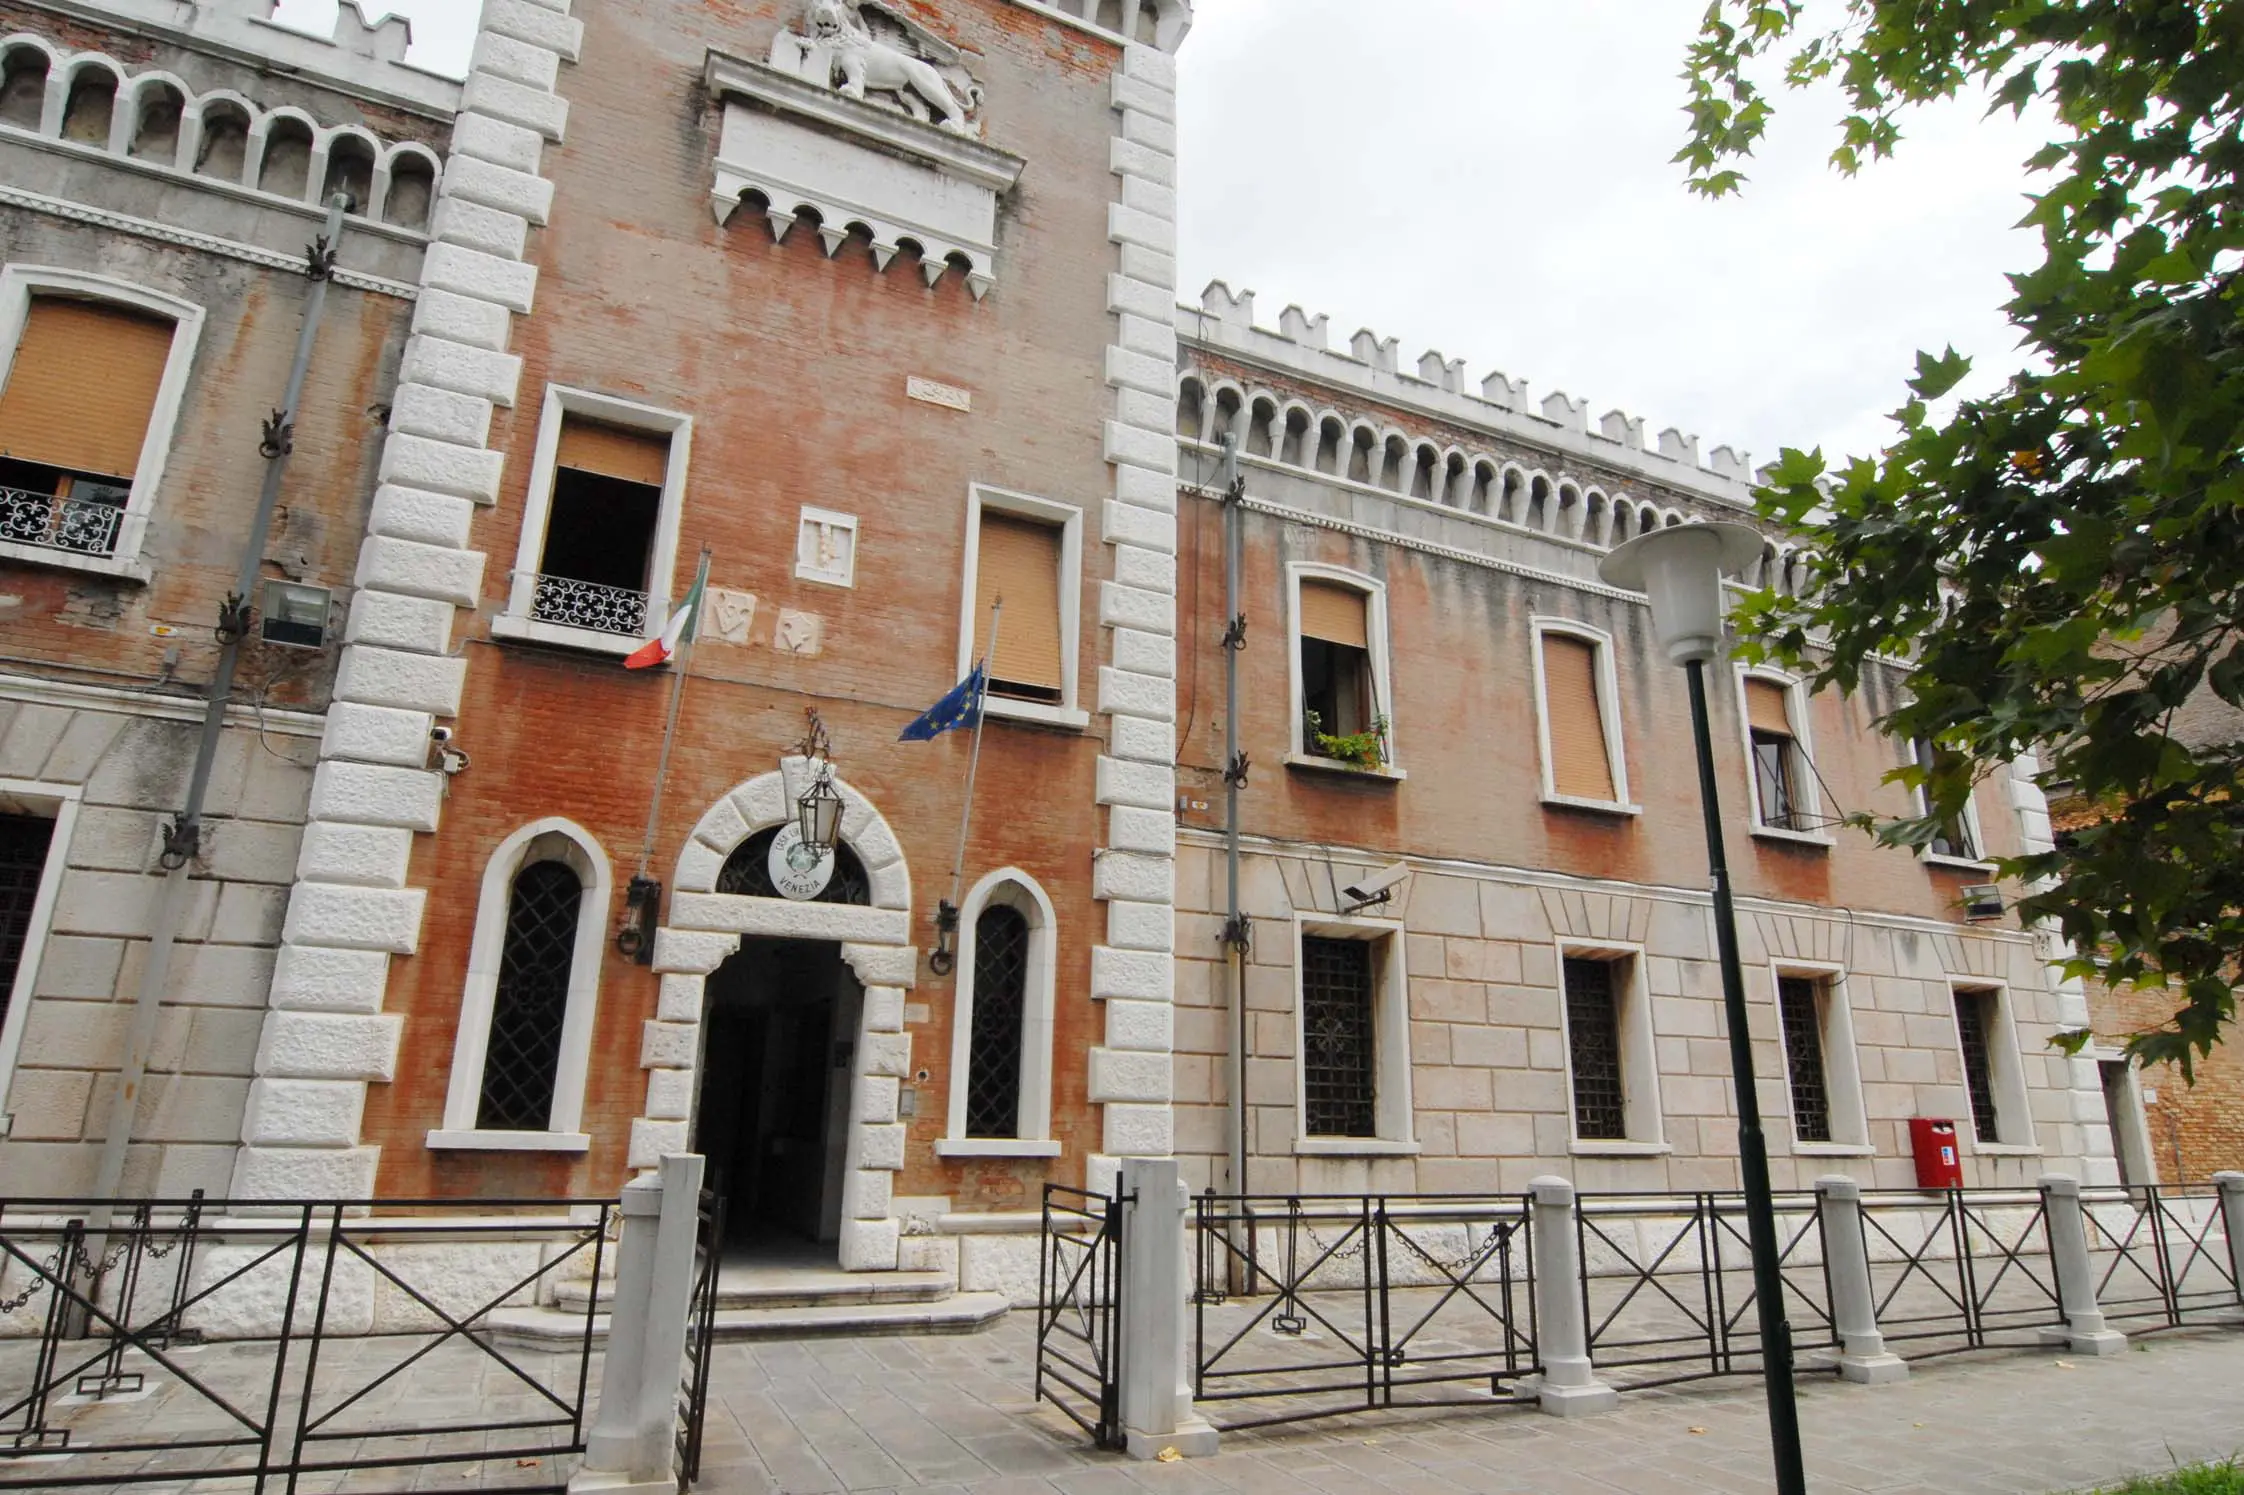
x: 731, y: 77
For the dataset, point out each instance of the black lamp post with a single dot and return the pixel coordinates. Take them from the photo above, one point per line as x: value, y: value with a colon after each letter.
x: 1681, y: 569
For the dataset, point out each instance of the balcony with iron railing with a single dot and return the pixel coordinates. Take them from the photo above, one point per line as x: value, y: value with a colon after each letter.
x: 48, y: 521
x: 568, y: 603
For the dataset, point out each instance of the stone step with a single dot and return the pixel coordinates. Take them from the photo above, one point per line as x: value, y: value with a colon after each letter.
x: 960, y: 1313
x: 750, y: 1288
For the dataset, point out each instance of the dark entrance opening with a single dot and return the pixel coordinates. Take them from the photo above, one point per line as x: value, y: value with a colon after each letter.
x: 773, y: 1114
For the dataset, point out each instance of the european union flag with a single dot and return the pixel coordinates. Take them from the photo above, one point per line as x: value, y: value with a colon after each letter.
x: 961, y: 708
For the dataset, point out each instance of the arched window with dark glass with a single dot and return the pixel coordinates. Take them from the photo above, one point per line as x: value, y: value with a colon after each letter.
x: 993, y: 1066
x: 522, y: 1057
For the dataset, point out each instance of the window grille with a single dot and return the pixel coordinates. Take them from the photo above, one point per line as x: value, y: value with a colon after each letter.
x: 993, y: 1062
x: 23, y: 859
x: 1593, y: 1033
x: 523, y: 1053
x: 747, y: 873
x: 1972, y: 1018
x: 1798, y: 1001
x: 1338, y: 1081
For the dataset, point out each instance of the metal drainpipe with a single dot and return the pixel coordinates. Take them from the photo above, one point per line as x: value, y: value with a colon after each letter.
x: 183, y: 837
x: 1238, y: 932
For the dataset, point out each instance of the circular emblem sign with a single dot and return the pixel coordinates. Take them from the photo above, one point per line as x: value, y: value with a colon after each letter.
x: 799, y: 872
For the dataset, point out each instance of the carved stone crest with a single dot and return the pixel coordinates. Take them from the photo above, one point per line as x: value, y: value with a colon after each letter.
x: 869, y: 52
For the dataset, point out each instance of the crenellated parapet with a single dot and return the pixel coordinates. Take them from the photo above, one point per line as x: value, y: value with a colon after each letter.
x: 156, y: 121
x: 1439, y: 385
x: 1154, y: 23
x: 361, y: 56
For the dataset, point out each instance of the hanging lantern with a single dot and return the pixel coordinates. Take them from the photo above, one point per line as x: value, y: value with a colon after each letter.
x: 819, y: 813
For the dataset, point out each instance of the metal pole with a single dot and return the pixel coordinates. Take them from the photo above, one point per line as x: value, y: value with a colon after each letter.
x: 1753, y: 1151
x: 974, y: 759
x: 183, y: 838
x: 1235, y: 929
x: 699, y: 594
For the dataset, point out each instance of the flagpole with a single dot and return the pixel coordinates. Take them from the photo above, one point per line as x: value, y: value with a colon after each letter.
x: 974, y: 759
x: 677, y: 696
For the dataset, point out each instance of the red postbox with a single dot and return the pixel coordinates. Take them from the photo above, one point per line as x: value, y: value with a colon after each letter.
x: 1939, y: 1165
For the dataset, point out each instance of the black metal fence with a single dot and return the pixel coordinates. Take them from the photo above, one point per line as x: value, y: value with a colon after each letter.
x: 1079, y: 1310
x: 2164, y: 1258
x: 1668, y: 1293
x: 175, y: 1342
x: 1307, y: 1307
x: 1961, y: 1270
x: 701, y: 1336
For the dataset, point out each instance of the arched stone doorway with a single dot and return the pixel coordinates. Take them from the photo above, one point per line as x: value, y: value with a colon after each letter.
x: 706, y: 928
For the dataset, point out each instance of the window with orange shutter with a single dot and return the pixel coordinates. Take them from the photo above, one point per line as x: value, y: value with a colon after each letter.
x: 600, y: 527
x: 1776, y: 755
x: 1339, y: 691
x: 1581, y: 753
x: 81, y: 388
x: 1019, y: 560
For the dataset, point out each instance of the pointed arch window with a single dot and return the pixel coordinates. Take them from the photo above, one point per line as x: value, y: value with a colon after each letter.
x: 1001, y: 1040
x: 526, y: 1015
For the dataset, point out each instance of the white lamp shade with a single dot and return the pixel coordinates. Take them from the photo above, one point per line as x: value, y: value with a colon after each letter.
x: 1681, y: 569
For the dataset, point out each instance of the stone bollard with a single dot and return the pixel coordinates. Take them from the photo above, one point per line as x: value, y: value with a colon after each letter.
x: 2231, y: 1186
x: 1570, y: 1385
x: 1157, y: 1411
x: 1863, y: 1356
x: 632, y: 1446
x: 2085, y: 1332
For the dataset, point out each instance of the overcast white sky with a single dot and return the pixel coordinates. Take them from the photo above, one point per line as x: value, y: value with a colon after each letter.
x: 1491, y: 177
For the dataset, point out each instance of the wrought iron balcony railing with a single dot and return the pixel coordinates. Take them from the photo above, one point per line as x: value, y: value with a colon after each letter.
x: 77, y: 526
x: 588, y: 604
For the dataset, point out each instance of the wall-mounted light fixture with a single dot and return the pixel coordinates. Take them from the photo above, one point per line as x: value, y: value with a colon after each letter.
x: 635, y: 939
x: 295, y: 615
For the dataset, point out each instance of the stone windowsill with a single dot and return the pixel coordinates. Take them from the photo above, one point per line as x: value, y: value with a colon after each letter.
x: 442, y: 1140
x: 1353, y: 1147
x: 1594, y: 806
x: 1038, y: 713
x: 1795, y: 838
x: 590, y: 640
x: 1320, y: 764
x: 1957, y: 864
x: 2006, y: 1149
x: 1833, y: 1150
x: 995, y: 1147
x: 1590, y: 1147
x: 123, y: 567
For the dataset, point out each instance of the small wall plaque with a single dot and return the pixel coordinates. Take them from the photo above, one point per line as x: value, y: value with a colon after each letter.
x: 799, y: 633
x: 731, y: 615
x: 826, y: 548
x: 949, y: 396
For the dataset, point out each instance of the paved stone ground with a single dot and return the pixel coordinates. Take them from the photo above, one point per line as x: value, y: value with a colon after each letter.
x: 955, y: 1416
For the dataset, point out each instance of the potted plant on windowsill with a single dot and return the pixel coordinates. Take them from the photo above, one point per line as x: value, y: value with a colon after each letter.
x: 1361, y: 750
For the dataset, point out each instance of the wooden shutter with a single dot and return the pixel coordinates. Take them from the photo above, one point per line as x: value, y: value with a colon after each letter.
x: 1334, y: 614
x: 1767, y: 708
x: 614, y: 452
x: 82, y: 386
x: 1020, y: 562
x: 1581, y: 761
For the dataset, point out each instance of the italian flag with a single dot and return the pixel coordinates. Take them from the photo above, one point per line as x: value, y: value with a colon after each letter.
x: 678, y: 631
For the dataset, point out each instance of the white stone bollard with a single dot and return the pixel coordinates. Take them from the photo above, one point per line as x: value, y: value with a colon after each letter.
x: 1156, y: 1376
x: 2231, y: 1186
x: 632, y: 1446
x: 2085, y: 1332
x: 1863, y: 1356
x: 1570, y: 1385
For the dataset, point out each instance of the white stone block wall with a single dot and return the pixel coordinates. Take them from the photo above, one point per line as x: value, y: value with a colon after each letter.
x: 1135, y: 871
x: 325, y: 1036
x: 128, y: 770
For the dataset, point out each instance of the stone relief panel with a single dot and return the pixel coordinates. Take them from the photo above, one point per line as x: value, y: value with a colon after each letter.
x: 871, y: 53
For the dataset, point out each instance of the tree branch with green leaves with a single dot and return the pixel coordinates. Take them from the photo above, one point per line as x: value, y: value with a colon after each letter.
x: 2062, y: 561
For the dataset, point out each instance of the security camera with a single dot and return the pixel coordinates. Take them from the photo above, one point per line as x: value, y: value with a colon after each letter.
x: 1376, y: 887
x: 440, y: 734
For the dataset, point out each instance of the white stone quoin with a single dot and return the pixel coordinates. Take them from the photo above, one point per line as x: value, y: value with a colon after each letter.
x: 325, y: 1035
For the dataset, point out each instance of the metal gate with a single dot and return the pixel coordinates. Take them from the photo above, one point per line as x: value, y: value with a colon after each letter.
x: 701, y: 1328
x: 174, y: 1342
x: 1079, y: 1310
